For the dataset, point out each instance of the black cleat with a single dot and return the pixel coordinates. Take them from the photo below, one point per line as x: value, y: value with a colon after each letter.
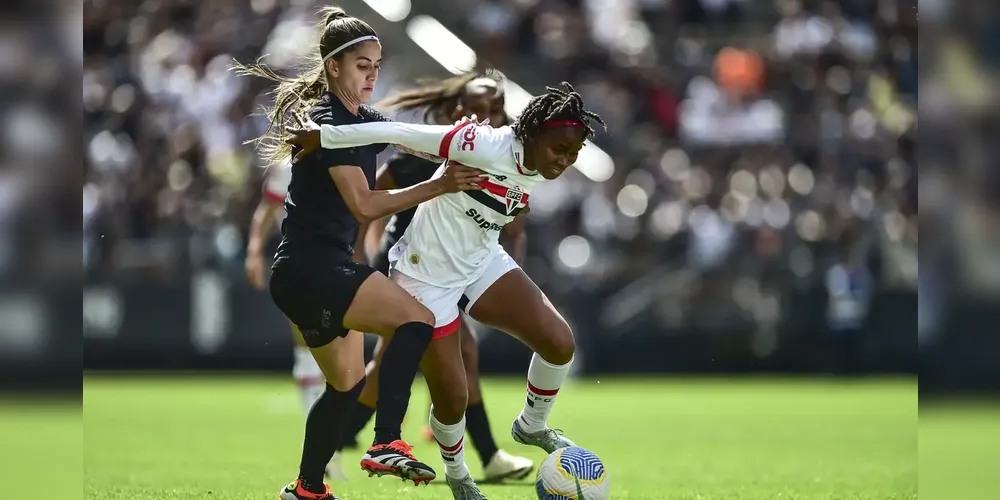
x: 396, y: 459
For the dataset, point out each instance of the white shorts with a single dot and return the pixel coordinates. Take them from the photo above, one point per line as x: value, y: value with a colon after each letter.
x: 446, y: 302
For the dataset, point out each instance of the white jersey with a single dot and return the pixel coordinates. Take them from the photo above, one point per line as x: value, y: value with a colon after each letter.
x: 276, y: 185
x: 276, y: 182
x: 453, y: 236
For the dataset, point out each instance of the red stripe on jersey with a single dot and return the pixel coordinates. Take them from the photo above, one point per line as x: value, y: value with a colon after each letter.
x: 517, y: 163
x: 273, y: 196
x: 500, y: 190
x: 446, y: 140
x: 542, y: 392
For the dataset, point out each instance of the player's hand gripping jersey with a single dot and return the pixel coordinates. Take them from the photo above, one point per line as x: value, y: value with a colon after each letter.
x: 453, y: 235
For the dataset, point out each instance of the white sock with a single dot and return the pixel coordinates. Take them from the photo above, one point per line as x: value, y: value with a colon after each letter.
x: 308, y: 377
x: 451, y: 441
x: 544, y: 381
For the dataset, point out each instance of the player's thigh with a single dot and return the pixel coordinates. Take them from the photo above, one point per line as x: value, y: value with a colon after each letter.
x: 315, y: 296
x: 297, y: 336
x: 442, y: 302
x: 380, y: 307
x: 506, y: 298
x: 444, y: 373
x: 342, y: 361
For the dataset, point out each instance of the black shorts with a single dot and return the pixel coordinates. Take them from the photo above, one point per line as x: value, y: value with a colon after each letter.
x: 381, y: 262
x: 315, y: 295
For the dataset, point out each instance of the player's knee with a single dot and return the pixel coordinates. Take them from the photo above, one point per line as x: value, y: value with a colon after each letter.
x: 559, y: 345
x: 345, y: 379
x: 418, y: 313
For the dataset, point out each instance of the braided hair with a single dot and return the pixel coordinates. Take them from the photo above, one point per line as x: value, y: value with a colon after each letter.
x: 555, y: 104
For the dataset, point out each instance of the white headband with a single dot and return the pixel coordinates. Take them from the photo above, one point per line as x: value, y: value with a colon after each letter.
x: 348, y: 44
x: 485, y: 82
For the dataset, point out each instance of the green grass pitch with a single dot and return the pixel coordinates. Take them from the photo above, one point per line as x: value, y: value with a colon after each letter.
x: 230, y: 438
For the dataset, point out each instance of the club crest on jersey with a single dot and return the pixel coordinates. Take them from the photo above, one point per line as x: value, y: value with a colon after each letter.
x: 513, y: 198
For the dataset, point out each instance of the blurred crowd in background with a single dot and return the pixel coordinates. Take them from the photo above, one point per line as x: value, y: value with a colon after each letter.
x: 758, y: 146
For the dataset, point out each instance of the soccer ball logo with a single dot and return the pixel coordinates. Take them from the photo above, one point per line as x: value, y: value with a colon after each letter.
x: 572, y: 474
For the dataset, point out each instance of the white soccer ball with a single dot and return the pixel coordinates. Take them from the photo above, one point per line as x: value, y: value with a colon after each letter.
x: 572, y: 474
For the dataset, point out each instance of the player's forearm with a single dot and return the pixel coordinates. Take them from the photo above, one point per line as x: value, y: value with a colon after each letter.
x: 516, y: 246
x: 514, y: 239
x: 260, y: 227
x: 373, y: 238
x: 379, y: 204
x: 416, y: 137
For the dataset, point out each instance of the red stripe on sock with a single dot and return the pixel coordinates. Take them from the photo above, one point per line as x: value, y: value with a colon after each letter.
x: 446, y: 140
x: 451, y: 449
x: 542, y: 392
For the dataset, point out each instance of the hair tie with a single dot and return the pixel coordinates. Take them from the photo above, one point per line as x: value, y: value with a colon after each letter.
x: 562, y: 123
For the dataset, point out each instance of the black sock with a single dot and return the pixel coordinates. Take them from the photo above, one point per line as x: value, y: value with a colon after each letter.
x: 400, y: 362
x: 359, y: 419
x: 478, y: 427
x: 324, y: 426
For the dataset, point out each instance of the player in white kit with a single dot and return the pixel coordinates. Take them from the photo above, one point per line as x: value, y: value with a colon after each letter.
x: 450, y: 256
x: 266, y: 218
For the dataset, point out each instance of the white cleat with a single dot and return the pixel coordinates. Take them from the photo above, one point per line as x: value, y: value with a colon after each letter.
x: 334, y: 469
x: 547, y: 439
x: 505, y: 466
x: 464, y: 489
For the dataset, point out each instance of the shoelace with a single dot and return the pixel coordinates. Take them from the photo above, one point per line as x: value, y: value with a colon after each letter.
x: 553, y: 434
x: 468, y: 486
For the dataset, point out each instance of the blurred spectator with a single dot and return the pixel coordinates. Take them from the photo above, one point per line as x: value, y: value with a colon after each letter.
x: 748, y: 139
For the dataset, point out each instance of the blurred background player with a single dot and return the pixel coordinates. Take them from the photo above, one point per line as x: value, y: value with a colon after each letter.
x: 267, y: 217
x: 444, y: 102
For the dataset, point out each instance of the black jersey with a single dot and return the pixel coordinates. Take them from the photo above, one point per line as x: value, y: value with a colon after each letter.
x: 406, y: 170
x: 317, y: 218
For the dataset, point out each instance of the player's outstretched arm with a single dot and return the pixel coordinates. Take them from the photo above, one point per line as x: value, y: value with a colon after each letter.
x: 454, y: 142
x: 368, y: 205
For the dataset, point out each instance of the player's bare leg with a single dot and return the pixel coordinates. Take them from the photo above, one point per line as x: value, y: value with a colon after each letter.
x: 389, y: 454
x: 342, y: 364
x: 498, y: 465
x: 364, y: 408
x: 311, y: 383
x: 445, y: 375
x: 514, y: 304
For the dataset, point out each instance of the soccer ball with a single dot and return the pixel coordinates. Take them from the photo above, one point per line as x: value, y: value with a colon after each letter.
x: 572, y: 474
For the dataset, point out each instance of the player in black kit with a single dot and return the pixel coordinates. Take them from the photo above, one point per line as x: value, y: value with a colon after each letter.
x: 444, y: 102
x: 317, y: 279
